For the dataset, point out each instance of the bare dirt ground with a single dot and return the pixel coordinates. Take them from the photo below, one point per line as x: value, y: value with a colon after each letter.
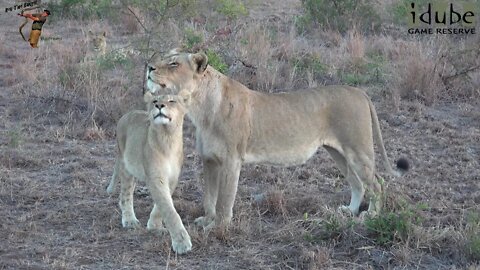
x: 57, y: 215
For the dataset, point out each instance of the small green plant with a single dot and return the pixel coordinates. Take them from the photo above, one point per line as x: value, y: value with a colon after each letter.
x: 216, y: 61
x: 192, y: 38
x: 473, y: 235
x: 114, y: 59
x: 390, y: 227
x: 232, y: 9
x: 14, y: 137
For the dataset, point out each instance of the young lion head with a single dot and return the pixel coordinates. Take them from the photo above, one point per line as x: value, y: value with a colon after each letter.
x: 98, y: 42
x: 165, y: 110
x: 175, y: 71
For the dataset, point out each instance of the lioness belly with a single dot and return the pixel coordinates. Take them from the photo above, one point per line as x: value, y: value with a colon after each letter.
x: 294, y: 155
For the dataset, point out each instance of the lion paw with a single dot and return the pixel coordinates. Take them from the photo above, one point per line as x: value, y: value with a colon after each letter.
x: 154, y: 225
x: 130, y: 223
x: 366, y: 215
x: 344, y: 210
x: 205, y: 222
x: 183, y: 246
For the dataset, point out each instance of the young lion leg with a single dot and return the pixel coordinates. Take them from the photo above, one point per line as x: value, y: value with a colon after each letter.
x: 228, y: 182
x: 155, y: 220
x: 115, y: 177
x: 160, y: 192
x: 211, y: 169
x: 127, y: 186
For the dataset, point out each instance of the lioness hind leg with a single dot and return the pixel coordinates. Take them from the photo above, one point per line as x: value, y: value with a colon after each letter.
x: 355, y: 185
x: 127, y: 186
x: 339, y: 159
x: 361, y: 179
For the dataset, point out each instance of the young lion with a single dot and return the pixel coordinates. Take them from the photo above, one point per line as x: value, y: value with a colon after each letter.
x: 150, y: 148
x: 97, y: 46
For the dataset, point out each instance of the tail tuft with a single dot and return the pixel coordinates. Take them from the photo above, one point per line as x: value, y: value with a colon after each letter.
x: 403, y: 165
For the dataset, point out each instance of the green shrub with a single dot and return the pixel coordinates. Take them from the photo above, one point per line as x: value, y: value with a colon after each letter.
x: 192, y: 38
x: 114, y: 59
x: 342, y: 15
x: 216, y: 61
x: 364, y: 71
x: 14, y: 137
x: 310, y: 63
x: 391, y: 227
x: 400, y: 10
x: 232, y: 9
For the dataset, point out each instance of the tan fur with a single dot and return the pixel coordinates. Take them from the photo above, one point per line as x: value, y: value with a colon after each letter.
x: 152, y: 152
x: 97, y: 46
x: 235, y: 125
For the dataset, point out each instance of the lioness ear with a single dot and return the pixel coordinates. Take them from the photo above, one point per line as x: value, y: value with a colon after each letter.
x: 201, y: 61
x: 104, y: 34
x: 90, y: 32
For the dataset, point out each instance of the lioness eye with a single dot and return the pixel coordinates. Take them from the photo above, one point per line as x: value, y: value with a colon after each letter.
x: 155, y: 101
x: 173, y: 101
x: 173, y: 64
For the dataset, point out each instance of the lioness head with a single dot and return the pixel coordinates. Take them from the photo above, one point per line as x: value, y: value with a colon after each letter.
x: 165, y: 109
x: 98, y: 42
x: 175, y: 71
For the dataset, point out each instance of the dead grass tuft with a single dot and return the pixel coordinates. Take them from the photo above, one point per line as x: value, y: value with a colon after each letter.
x: 94, y: 133
x: 417, y: 74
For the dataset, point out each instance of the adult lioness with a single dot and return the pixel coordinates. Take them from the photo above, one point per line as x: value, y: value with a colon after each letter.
x: 235, y: 124
x: 150, y: 148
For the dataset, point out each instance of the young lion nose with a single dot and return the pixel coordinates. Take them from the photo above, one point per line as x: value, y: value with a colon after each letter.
x: 162, y: 106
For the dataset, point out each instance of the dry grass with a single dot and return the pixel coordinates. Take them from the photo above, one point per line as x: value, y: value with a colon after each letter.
x: 57, y: 150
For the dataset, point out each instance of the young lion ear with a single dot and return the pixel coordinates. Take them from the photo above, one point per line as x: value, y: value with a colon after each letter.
x: 185, y: 97
x: 104, y: 34
x: 148, y: 97
x: 201, y: 61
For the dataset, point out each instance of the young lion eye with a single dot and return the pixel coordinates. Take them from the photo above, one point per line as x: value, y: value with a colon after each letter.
x: 173, y: 64
x: 172, y: 101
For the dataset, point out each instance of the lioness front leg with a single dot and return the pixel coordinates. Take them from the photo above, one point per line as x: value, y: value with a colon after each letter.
x: 228, y: 182
x: 160, y: 192
x: 211, y: 169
